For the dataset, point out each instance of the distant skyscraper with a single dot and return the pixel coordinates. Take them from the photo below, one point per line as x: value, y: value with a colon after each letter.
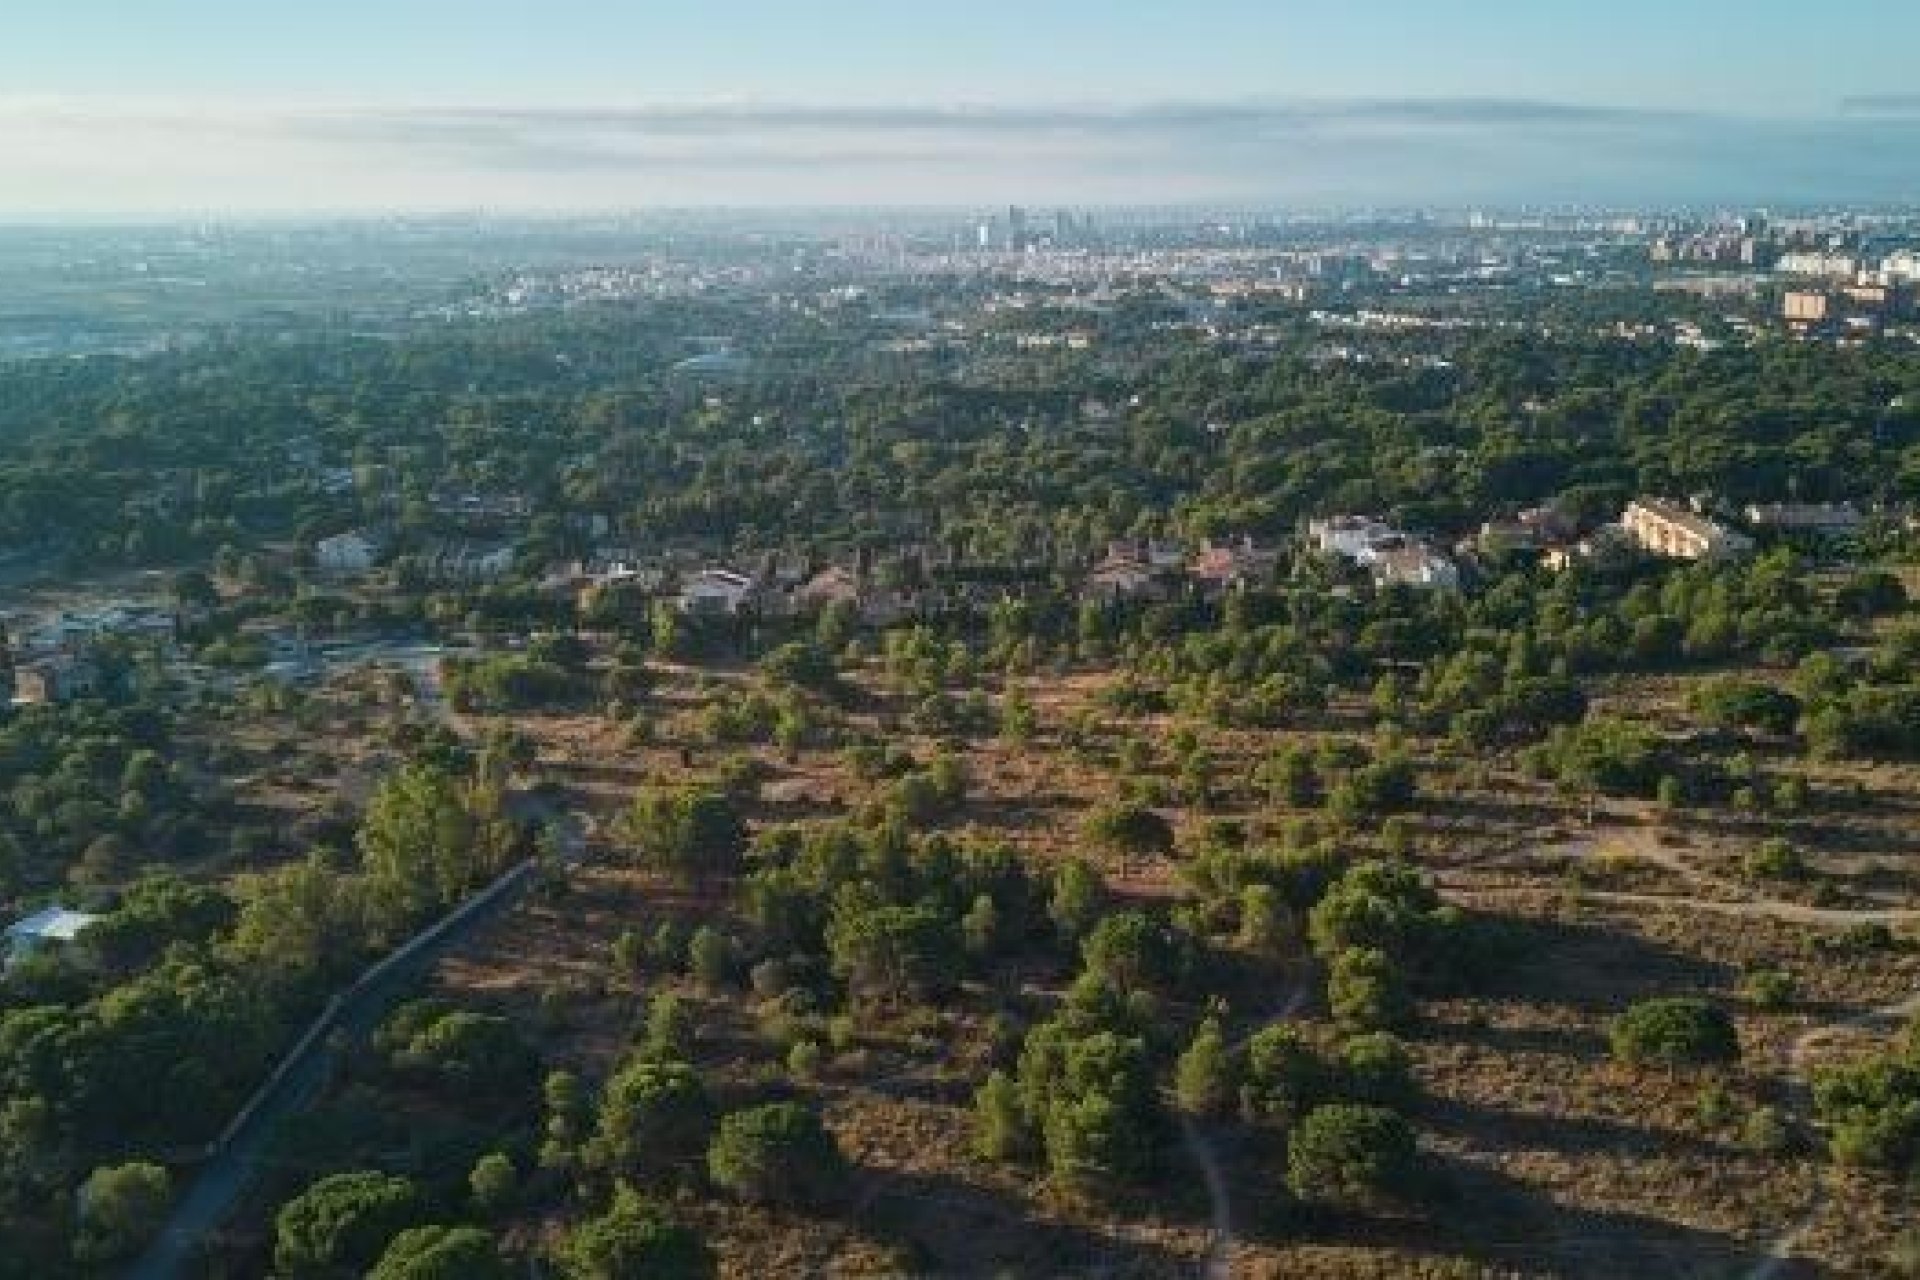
x: 1016, y: 228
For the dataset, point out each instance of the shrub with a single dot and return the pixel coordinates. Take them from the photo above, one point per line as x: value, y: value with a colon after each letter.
x: 1351, y: 1155
x: 120, y: 1208
x: 1674, y: 1031
x: 1774, y: 859
x: 341, y: 1223
x: 635, y: 1240
x: 655, y: 1119
x: 441, y: 1253
x: 1204, y: 1080
x: 777, y: 1153
x: 1368, y: 992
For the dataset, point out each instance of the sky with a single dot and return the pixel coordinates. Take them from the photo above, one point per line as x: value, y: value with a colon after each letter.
x: 273, y: 106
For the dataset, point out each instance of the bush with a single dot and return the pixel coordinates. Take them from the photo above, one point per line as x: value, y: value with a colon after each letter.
x: 635, y: 1240
x: 655, y: 1120
x: 121, y: 1206
x: 1204, y: 1080
x: 1674, y: 1031
x: 1352, y: 1156
x: 777, y: 1153
x: 1130, y: 829
x: 493, y: 1183
x: 1774, y: 859
x: 341, y: 1223
x: 1377, y: 1069
x: 1368, y: 992
x: 441, y: 1253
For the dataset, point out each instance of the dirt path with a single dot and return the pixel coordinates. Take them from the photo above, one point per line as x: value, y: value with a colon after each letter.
x: 1201, y: 1149
x: 1801, y: 1052
x: 1799, y: 1067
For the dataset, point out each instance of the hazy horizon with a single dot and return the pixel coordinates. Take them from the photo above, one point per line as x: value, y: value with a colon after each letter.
x: 428, y: 106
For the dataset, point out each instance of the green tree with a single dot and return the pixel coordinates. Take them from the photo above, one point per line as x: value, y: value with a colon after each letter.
x: 1078, y: 899
x: 428, y: 838
x: 121, y: 1206
x: 339, y: 1225
x: 692, y: 835
x: 1674, y: 1031
x: 1001, y: 1131
x: 654, y: 1121
x: 1204, y: 1079
x: 777, y: 1153
x: 635, y: 1239
x: 493, y: 1184
x: 1367, y: 991
x: 441, y: 1253
x: 1351, y: 1156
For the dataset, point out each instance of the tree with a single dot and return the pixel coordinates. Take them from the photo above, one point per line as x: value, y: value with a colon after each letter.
x: 493, y: 1183
x: 891, y: 951
x: 1377, y: 1068
x: 1001, y: 1131
x: 691, y: 835
x: 670, y: 1032
x: 1674, y: 1031
x: 1204, y: 1079
x: 1367, y: 991
x: 709, y: 956
x: 428, y: 838
x: 441, y: 1253
x: 339, y: 1225
x: 471, y: 1055
x: 808, y: 666
x: 1131, y: 952
x: 120, y: 1208
x: 654, y: 1121
x: 1091, y: 1143
x: 777, y: 1153
x: 1129, y: 828
x: 1284, y: 1077
x: 635, y: 1240
x: 1079, y: 898
x: 1351, y: 1156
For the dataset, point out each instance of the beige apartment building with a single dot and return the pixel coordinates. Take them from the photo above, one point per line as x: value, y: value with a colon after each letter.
x: 1667, y: 529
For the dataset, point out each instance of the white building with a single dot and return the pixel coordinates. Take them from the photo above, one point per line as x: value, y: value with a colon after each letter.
x: 55, y: 926
x: 1415, y: 565
x: 1834, y: 519
x: 1355, y: 538
x: 716, y: 591
x: 355, y: 551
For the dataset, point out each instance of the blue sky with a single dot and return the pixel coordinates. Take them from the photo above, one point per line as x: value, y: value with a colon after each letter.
x: 590, y: 103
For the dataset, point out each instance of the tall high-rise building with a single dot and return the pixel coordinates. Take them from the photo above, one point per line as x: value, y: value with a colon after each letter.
x: 1016, y: 228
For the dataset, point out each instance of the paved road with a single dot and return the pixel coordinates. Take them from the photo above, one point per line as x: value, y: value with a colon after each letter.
x: 223, y: 1178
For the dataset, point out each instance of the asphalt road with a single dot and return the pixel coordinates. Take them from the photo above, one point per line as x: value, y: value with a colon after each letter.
x: 223, y: 1178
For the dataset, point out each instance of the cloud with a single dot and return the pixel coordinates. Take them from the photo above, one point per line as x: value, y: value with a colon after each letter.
x: 1883, y: 104
x: 98, y: 155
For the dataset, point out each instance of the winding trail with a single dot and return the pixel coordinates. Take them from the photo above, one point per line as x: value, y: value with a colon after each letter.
x: 1201, y: 1150
x: 1799, y: 1053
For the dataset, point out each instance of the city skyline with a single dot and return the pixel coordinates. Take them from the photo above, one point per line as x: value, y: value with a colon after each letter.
x: 204, y: 106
